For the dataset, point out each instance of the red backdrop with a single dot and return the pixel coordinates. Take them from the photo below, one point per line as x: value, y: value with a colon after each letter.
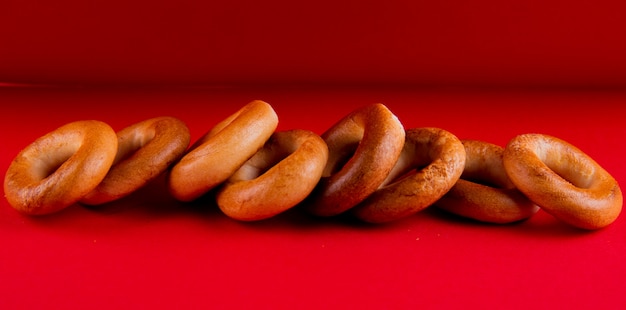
x: 530, y: 42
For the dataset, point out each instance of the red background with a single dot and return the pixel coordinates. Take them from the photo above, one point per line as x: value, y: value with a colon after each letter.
x: 481, y: 69
x: 530, y: 42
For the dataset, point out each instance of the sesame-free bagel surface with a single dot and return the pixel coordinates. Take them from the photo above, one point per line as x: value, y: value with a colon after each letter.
x: 485, y: 192
x: 278, y: 177
x: 563, y: 180
x: 61, y: 167
x: 431, y: 162
x: 145, y: 150
x: 222, y: 151
x: 363, y: 148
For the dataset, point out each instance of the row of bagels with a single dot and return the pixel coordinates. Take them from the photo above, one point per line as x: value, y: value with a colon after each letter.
x: 366, y: 164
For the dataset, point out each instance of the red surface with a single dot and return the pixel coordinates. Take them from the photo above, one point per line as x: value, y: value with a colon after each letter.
x: 531, y: 42
x: 148, y: 251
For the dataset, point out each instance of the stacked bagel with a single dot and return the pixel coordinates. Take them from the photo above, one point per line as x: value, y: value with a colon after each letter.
x: 367, y: 164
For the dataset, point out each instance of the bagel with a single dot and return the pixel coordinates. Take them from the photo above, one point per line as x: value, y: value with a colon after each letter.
x: 363, y: 148
x: 431, y: 162
x: 222, y: 151
x: 145, y: 150
x: 485, y: 193
x: 60, y: 168
x: 563, y: 180
x: 278, y: 177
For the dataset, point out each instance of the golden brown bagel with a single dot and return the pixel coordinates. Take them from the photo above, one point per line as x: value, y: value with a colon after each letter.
x: 61, y: 167
x: 485, y: 192
x: 563, y: 180
x: 278, y: 177
x: 222, y: 151
x: 145, y: 150
x: 431, y: 162
x: 363, y: 148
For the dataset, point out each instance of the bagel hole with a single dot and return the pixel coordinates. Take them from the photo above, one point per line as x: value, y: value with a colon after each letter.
x: 408, y: 164
x: 572, y: 176
x: 124, y: 154
x: 48, y: 165
x: 570, y: 168
x: 413, y: 158
x: 485, y: 167
x: 339, y: 159
x: 50, y: 169
x: 129, y: 145
x: 260, y: 163
x: 486, y: 177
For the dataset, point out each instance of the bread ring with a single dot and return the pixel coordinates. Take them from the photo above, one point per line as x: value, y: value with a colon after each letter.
x: 145, y: 150
x: 281, y: 175
x: 368, y: 141
x: 563, y: 180
x: 222, y: 151
x: 485, y: 192
x: 61, y: 167
x: 431, y: 162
